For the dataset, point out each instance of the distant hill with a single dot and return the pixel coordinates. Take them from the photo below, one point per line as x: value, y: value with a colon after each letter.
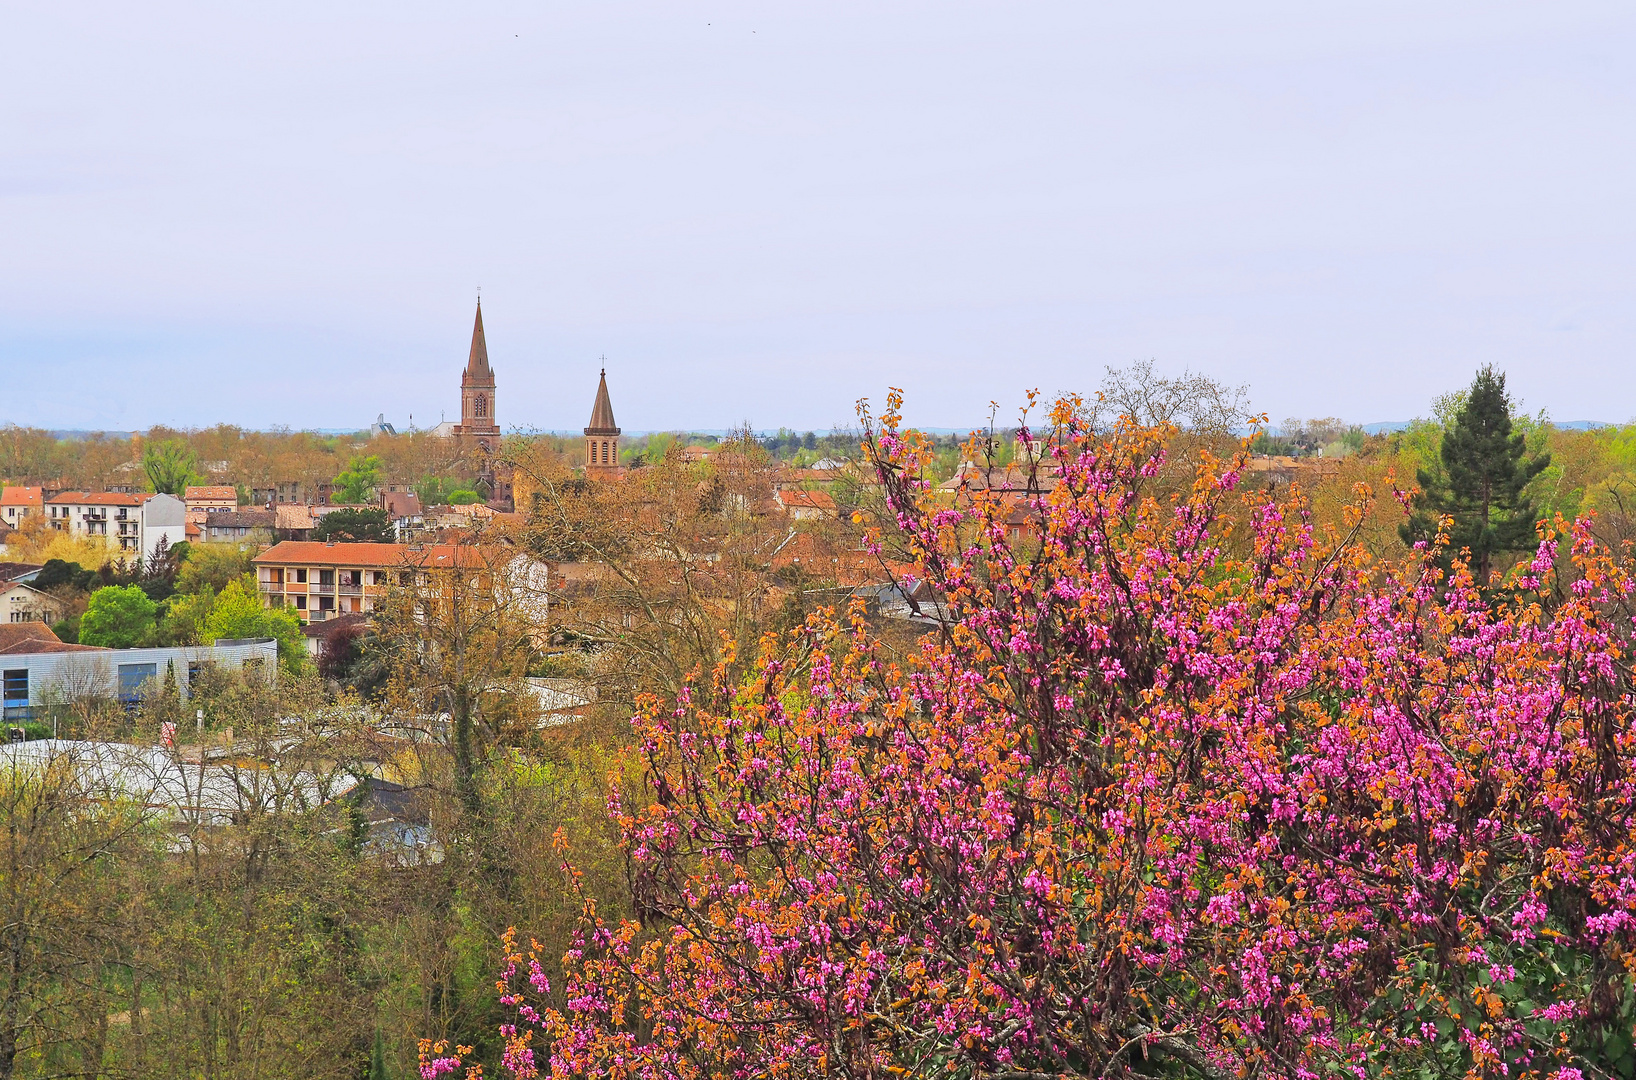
x: 1388, y: 426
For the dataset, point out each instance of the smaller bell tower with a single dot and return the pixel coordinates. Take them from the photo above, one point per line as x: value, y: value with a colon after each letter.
x: 602, y: 435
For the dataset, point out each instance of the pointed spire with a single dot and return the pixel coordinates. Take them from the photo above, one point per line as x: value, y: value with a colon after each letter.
x: 602, y: 417
x: 477, y: 365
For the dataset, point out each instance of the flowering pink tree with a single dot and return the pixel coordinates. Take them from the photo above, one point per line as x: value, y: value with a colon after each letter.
x: 1184, y: 785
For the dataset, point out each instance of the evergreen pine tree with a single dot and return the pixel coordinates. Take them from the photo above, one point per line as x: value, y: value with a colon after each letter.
x: 377, y: 1059
x: 1484, y: 473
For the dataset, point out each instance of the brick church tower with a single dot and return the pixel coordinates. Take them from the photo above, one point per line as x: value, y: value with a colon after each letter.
x: 477, y: 393
x: 602, y: 436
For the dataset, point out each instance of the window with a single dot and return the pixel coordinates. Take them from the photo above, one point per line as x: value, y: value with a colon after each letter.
x: 406, y: 577
x: 380, y: 577
x: 15, y: 690
x: 301, y: 575
x: 480, y: 405
x: 132, y: 677
x: 326, y: 603
x: 326, y: 577
x: 301, y: 603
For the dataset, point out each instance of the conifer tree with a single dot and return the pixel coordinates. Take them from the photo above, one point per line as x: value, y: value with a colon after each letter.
x: 377, y: 1060
x: 1484, y: 474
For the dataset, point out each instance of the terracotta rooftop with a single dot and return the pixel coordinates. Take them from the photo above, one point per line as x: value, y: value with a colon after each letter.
x: 18, y: 495
x: 329, y: 626
x: 200, y: 494
x: 602, y: 417
x: 809, y: 500
x: 401, y: 504
x: 35, y: 637
x: 319, y: 553
x: 98, y: 498
x: 999, y: 478
x: 293, y: 516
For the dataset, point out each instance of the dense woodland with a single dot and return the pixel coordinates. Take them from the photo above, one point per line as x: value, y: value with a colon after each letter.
x: 1205, y: 769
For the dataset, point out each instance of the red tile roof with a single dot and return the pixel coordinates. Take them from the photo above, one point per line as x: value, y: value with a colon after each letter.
x: 34, y: 637
x: 319, y: 553
x: 401, y: 504
x: 18, y: 495
x: 210, y: 494
x: 98, y: 498
x: 807, y: 500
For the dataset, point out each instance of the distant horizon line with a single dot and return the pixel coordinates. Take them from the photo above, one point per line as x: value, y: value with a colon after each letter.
x: 1375, y: 428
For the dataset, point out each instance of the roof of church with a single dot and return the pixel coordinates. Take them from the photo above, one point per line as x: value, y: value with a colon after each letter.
x: 477, y: 365
x: 602, y: 418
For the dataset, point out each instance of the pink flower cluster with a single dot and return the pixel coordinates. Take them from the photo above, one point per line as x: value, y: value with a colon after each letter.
x: 1187, y: 778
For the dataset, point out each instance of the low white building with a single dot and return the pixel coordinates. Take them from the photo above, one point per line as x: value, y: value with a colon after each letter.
x: 180, y: 788
x: 32, y: 682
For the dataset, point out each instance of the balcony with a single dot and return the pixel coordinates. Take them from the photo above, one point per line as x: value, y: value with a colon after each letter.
x: 350, y: 590
x: 321, y: 587
x: 271, y: 586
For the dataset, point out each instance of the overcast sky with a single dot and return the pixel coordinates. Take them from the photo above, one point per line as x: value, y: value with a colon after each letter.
x: 281, y: 213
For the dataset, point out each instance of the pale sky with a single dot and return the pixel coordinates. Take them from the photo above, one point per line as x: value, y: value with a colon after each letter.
x: 281, y: 213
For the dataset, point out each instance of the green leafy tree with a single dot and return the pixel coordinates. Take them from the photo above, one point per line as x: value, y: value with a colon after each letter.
x: 356, y: 483
x: 117, y: 617
x: 238, y: 613
x: 209, y: 567
x: 355, y: 526
x: 464, y: 497
x: 59, y: 574
x: 185, y: 617
x: 171, y: 465
x: 1484, y: 468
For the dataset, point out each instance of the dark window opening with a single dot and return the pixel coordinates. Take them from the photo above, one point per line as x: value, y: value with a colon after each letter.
x: 132, y: 677
x: 15, y: 690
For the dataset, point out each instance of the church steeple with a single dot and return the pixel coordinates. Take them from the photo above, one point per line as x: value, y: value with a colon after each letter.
x: 477, y: 390
x: 602, y: 434
x: 477, y: 364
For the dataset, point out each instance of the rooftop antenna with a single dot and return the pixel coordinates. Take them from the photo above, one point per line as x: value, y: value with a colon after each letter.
x: 604, y: 359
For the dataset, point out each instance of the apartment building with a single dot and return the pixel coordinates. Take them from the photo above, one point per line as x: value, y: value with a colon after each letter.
x: 323, y: 580
x: 133, y: 523
x: 18, y: 502
x: 113, y: 515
